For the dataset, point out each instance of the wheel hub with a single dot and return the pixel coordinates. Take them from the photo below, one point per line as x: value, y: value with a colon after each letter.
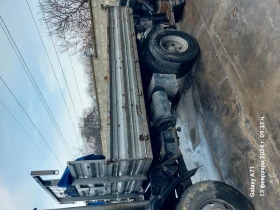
x: 174, y: 44
x: 215, y: 204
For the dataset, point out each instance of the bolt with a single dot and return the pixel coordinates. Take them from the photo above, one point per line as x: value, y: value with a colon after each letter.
x: 146, y: 137
x: 140, y: 91
x: 234, y: 11
x: 141, y: 137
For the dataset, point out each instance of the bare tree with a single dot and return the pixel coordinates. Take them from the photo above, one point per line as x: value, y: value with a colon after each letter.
x: 88, y: 73
x: 69, y: 22
x: 90, y: 131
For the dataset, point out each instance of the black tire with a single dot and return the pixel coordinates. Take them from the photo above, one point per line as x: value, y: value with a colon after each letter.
x: 161, y: 60
x: 213, y: 193
x: 156, y: 65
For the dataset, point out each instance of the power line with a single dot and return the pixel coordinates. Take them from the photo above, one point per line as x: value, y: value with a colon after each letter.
x: 52, y: 69
x: 58, y: 60
x: 31, y: 78
x: 75, y: 78
x: 24, y: 130
x: 31, y: 120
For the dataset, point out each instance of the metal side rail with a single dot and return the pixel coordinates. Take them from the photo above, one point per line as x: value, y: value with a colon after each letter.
x: 128, y: 134
x: 93, y: 181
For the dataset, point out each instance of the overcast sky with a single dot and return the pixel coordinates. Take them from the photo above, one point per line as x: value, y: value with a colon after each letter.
x: 19, y: 156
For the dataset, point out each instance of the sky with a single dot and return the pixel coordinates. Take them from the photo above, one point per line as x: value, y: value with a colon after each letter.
x: 19, y: 156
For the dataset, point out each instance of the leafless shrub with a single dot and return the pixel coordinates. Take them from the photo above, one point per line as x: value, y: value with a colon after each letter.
x: 90, y: 131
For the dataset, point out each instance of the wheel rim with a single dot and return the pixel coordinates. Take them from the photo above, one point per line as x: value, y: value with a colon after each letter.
x: 174, y: 44
x: 216, y: 204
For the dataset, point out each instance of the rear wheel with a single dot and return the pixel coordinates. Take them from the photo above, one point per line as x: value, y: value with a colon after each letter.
x: 212, y: 195
x: 171, y: 52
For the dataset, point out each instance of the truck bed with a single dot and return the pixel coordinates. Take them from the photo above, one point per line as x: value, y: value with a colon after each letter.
x: 129, y: 153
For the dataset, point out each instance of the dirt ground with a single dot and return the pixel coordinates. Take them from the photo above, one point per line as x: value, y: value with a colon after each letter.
x: 229, y: 110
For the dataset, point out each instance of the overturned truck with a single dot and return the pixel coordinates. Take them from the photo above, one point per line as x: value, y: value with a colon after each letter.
x: 143, y: 167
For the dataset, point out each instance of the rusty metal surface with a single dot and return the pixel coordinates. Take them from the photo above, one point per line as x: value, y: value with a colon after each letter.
x: 236, y: 83
x: 162, y: 7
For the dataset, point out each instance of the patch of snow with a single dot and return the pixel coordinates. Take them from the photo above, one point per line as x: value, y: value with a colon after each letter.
x: 198, y: 156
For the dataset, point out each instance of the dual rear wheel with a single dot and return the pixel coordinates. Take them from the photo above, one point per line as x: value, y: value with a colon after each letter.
x: 171, y: 52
